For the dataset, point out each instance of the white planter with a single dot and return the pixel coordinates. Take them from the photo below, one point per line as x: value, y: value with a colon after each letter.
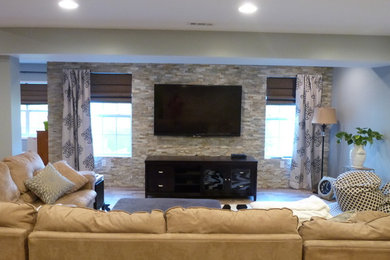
x: 357, y: 156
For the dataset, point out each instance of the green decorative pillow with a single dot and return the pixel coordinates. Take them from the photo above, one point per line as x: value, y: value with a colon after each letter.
x: 49, y: 184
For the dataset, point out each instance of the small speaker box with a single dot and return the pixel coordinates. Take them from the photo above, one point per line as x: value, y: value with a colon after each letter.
x: 238, y: 156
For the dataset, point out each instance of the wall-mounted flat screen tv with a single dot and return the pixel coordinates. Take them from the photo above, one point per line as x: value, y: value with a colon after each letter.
x: 197, y: 110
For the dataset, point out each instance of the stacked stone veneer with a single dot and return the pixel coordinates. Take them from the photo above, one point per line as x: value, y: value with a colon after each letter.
x: 129, y: 172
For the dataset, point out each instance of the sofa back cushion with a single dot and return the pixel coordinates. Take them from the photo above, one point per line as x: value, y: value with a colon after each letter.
x: 8, y: 189
x: 253, y: 221
x: 22, y: 167
x: 17, y: 215
x: 376, y: 227
x: 69, y: 219
x: 68, y: 172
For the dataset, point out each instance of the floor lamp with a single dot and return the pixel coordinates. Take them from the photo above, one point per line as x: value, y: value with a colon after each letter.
x: 324, y: 116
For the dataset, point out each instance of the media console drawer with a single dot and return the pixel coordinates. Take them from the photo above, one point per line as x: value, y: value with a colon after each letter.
x: 200, y: 176
x: 159, y: 178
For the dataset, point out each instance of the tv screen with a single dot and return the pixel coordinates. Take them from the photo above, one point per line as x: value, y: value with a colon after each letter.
x: 197, y: 110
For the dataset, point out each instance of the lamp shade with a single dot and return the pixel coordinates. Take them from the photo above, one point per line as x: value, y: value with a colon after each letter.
x: 324, y: 116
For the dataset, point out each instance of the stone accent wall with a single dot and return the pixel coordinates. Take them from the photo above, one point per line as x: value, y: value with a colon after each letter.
x: 129, y: 172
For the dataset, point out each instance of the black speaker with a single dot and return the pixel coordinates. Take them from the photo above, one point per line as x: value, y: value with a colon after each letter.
x: 238, y: 156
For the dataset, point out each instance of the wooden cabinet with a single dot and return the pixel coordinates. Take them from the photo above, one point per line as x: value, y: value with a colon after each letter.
x: 43, y: 146
x: 200, y: 176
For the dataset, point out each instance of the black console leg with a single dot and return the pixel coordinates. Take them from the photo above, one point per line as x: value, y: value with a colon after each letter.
x: 106, y: 207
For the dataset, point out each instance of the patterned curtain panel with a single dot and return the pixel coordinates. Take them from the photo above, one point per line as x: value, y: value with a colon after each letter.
x: 76, y: 129
x: 306, y: 161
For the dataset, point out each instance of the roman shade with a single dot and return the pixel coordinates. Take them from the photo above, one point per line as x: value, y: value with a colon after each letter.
x: 110, y: 87
x: 33, y: 94
x: 281, y: 91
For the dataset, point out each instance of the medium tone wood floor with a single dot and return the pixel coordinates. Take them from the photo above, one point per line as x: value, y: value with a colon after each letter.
x: 112, y: 195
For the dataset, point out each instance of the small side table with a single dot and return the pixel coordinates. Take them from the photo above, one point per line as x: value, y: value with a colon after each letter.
x: 99, y: 188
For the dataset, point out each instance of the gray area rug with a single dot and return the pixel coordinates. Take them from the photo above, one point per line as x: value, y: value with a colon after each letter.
x: 148, y: 204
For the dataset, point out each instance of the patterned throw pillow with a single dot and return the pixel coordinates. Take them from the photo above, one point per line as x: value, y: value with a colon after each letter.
x: 359, y: 190
x: 49, y: 184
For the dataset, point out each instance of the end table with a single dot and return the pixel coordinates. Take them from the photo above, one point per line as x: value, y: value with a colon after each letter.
x: 99, y: 188
x: 351, y: 168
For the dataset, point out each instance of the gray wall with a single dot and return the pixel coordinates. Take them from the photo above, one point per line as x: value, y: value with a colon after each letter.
x: 362, y: 99
x: 129, y: 172
x: 10, y: 138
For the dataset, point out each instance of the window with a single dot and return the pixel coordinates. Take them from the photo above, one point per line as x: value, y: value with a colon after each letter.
x: 111, y: 129
x: 32, y: 118
x: 111, y: 113
x: 279, y: 131
x: 34, y: 109
x: 280, y: 118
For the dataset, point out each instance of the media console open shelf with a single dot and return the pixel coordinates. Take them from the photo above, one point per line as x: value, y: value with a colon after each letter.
x: 200, y: 176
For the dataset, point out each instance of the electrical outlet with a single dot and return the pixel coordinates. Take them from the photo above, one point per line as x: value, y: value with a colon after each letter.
x: 103, y: 162
x: 282, y: 164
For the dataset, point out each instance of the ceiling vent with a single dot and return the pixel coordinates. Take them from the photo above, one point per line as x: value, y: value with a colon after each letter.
x: 200, y: 24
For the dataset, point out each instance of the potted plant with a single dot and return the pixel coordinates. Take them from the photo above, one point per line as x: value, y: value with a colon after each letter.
x: 359, y: 140
x: 46, y: 125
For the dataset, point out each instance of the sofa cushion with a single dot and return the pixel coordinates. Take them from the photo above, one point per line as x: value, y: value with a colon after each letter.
x: 253, y: 221
x: 8, y: 189
x: 17, y: 215
x: 49, y: 184
x: 22, y: 167
x: 68, y: 219
x: 68, y: 172
x: 81, y: 198
x: 376, y: 227
x: 367, y: 216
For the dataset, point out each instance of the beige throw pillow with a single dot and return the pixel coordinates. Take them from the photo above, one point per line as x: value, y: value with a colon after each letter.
x: 71, y: 174
x: 49, y: 184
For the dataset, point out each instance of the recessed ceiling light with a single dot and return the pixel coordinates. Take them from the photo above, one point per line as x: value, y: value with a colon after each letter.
x: 247, y: 8
x: 68, y: 4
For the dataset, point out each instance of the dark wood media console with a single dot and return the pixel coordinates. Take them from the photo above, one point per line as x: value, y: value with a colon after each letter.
x: 200, y: 176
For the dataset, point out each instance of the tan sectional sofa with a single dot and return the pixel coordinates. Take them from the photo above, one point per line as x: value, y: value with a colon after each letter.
x: 195, y: 233
x: 63, y: 232
x: 14, y: 170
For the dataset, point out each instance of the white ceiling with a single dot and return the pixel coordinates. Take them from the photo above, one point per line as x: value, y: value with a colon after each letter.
x: 360, y: 17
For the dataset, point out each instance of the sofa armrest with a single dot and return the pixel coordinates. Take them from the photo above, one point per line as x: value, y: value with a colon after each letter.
x: 91, y: 176
x: 13, y: 243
